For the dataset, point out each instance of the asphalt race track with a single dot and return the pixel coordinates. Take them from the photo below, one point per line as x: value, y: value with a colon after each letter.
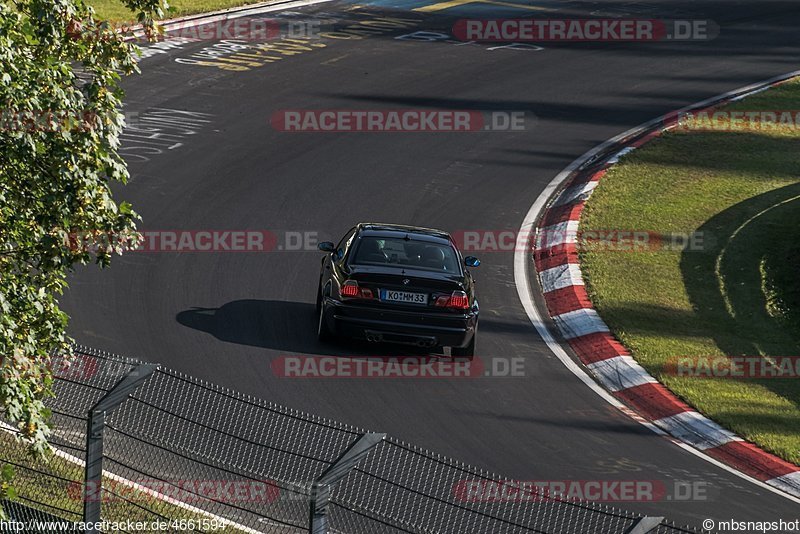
x: 225, y: 316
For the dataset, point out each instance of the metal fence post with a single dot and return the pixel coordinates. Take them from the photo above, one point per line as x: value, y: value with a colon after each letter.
x: 643, y: 525
x: 321, y: 489
x: 96, y: 422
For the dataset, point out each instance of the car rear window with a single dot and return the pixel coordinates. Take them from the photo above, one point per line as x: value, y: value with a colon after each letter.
x: 409, y: 253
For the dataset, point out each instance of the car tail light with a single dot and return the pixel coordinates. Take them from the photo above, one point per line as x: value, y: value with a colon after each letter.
x: 457, y: 300
x: 351, y: 289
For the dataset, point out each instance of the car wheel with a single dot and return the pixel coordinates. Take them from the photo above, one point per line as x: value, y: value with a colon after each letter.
x: 324, y: 333
x: 465, y: 353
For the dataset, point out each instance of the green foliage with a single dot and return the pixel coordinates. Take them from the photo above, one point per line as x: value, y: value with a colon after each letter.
x: 6, y: 490
x: 60, y: 123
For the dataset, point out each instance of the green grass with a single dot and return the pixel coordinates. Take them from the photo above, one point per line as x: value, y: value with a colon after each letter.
x: 737, y: 295
x: 115, y: 10
x: 52, y: 486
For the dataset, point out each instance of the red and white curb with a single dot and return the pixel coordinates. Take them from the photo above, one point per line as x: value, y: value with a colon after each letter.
x: 625, y: 384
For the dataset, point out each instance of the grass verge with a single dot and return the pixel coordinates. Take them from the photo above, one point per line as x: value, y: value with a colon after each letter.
x: 115, y: 11
x: 736, y: 292
x: 54, y: 486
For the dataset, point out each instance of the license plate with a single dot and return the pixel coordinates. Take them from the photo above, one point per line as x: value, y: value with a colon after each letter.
x: 404, y: 296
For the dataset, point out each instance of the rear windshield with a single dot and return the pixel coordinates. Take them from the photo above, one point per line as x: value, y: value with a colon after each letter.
x: 406, y: 253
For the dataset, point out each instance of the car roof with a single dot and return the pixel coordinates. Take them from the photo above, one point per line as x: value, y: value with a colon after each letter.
x: 417, y: 233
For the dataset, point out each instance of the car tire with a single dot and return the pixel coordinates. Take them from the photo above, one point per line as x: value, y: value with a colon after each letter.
x: 465, y: 353
x: 324, y: 333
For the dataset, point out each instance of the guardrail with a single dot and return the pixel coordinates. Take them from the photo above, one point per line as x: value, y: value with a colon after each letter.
x: 172, y: 447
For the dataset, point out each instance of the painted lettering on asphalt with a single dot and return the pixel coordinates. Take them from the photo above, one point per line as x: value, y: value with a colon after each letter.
x: 239, y: 55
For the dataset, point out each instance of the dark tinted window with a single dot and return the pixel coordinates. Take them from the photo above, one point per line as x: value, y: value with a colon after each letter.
x: 406, y: 253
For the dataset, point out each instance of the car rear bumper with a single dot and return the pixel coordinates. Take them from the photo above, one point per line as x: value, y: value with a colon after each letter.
x: 401, y: 326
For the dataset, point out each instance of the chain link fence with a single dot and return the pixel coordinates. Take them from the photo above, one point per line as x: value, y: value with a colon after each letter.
x: 179, y: 447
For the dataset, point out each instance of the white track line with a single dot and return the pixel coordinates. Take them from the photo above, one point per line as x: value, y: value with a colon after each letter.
x: 522, y: 281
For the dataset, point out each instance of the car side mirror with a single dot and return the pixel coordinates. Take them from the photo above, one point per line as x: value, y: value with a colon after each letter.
x: 471, y: 261
x: 326, y: 246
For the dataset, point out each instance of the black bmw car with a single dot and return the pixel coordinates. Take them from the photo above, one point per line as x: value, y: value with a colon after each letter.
x: 398, y: 284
